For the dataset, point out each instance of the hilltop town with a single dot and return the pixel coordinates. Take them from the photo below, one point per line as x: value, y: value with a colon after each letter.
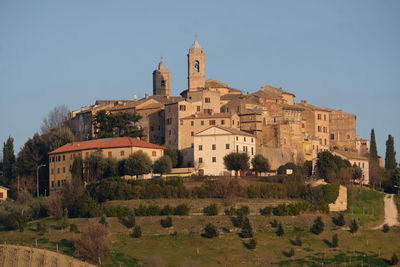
x: 284, y: 130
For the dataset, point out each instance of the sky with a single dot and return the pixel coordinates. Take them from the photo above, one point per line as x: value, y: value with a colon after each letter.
x: 341, y: 54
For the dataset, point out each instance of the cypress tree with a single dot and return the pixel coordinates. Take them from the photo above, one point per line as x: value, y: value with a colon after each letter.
x: 8, y: 158
x: 390, y: 158
x: 372, y: 147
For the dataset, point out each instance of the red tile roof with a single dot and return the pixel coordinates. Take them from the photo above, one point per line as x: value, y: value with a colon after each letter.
x: 112, y: 142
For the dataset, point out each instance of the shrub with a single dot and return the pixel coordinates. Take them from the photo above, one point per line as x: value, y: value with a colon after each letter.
x: 339, y: 221
x: 266, y: 211
x: 93, y: 244
x: 211, y: 210
x: 247, y: 230
x: 318, y: 226
x: 230, y: 211
x: 385, y: 228
x: 244, y: 210
x: 73, y: 228
x: 153, y: 210
x: 182, y: 210
x: 238, y: 220
x: 137, y: 232
x: 353, y: 226
x: 290, y: 253
x: 167, y: 222
x: 41, y: 228
x: 297, y: 241
x: 167, y: 210
x: 274, y: 223
x: 116, y: 211
x: 252, y: 244
x: 103, y: 221
x: 210, y: 231
x: 280, y: 231
x: 335, y: 241
x: 394, y: 260
x: 129, y: 221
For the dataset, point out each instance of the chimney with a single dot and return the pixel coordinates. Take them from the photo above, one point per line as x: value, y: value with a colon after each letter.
x: 303, y: 101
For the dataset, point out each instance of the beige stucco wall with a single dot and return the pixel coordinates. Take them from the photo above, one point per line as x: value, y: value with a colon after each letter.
x: 3, y: 193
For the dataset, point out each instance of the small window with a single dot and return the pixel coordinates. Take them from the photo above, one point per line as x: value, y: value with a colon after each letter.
x: 52, y: 171
x: 252, y: 140
x: 58, y: 183
x: 324, y: 117
x: 319, y: 116
x: 122, y: 153
x: 212, y: 122
x: 196, y: 66
x: 52, y: 183
x: 154, y: 153
x: 237, y: 148
x: 222, y: 122
x: 63, y: 157
x: 214, y: 147
x: 332, y: 136
x: 200, y: 147
x: 325, y: 141
x: 198, y: 108
x: 202, y: 123
x: 227, y: 146
x: 109, y: 154
x: 192, y: 123
x: 58, y: 170
x: 244, y: 138
x: 63, y: 169
x: 182, y: 107
x: 237, y: 138
x: 319, y: 129
x: 207, y: 100
x: 192, y: 145
x: 252, y: 151
x: 214, y: 159
x: 200, y: 160
x: 192, y: 133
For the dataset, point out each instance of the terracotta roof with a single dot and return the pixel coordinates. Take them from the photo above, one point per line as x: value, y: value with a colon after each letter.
x: 207, y: 115
x: 105, y: 143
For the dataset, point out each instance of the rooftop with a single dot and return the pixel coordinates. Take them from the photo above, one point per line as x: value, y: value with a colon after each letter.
x: 103, y: 143
x: 230, y: 130
x: 207, y: 115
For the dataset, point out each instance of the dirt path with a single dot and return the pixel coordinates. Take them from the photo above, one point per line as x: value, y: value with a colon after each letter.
x: 390, y: 211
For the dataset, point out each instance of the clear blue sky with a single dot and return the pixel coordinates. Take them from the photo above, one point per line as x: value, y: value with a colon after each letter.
x: 342, y: 54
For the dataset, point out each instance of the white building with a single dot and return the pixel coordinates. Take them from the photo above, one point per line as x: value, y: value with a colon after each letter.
x: 360, y: 161
x: 212, y: 144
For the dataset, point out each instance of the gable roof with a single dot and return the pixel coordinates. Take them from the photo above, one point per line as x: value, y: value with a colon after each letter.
x: 103, y: 143
x: 350, y: 155
x: 5, y: 188
x: 229, y: 130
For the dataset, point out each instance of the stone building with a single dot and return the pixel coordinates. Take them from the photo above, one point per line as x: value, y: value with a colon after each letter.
x: 215, y: 142
x: 61, y: 159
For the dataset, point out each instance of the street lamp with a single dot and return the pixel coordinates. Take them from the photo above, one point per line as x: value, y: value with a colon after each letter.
x: 37, y: 178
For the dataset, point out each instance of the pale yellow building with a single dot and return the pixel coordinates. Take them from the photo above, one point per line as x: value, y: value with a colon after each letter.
x: 213, y: 143
x: 358, y: 160
x: 61, y: 159
x: 3, y: 193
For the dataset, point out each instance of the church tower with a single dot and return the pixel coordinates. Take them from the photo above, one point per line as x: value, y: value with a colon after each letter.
x: 161, y: 81
x: 196, y: 67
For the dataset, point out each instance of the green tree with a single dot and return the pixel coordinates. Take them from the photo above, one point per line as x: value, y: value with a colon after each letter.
x: 260, y: 163
x: 335, y: 241
x: 373, y: 152
x: 163, y: 165
x: 94, y: 167
x: 395, y: 180
x: 280, y: 231
x: 318, y: 226
x: 236, y: 161
x: 357, y: 173
x: 138, y: 163
x: 9, y: 158
x: 247, y: 230
x: 77, y: 168
x: 173, y: 153
x: 210, y: 231
x: 353, y: 226
x: 117, y: 125
x: 390, y: 157
x: 60, y: 136
x: 328, y: 163
x: 374, y: 168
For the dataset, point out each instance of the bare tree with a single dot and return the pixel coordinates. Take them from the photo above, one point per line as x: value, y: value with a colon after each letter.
x: 94, y: 244
x: 54, y: 206
x: 55, y: 118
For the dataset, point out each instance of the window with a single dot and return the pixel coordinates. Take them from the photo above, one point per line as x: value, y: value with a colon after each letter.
x: 58, y: 183
x: 181, y: 122
x: 252, y: 151
x: 58, y: 170
x: 63, y: 157
x: 59, y: 158
x: 192, y: 133
x: 222, y: 122
x: 363, y: 164
x: 87, y: 154
x: 162, y: 82
x: 200, y: 148
x: 319, y: 116
x: 302, y: 125
x: 252, y: 140
x: 169, y: 132
x: 196, y: 66
x: 212, y: 122
x: 214, y: 147
x: 52, y: 183
x: 52, y: 171
x: 227, y: 146
x: 182, y: 107
x: 319, y: 129
x: 192, y: 145
x: 202, y: 123
x: 198, y: 108
x: 332, y: 136
x: 214, y: 159
x: 151, y: 128
x: 237, y: 148
x: 192, y: 123
x: 207, y: 100
x: 237, y: 138
x: 122, y: 153
x: 154, y: 153
x: 325, y: 141
x: 244, y: 138
x: 109, y: 154
x: 63, y: 169
x: 200, y: 160
x: 233, y: 122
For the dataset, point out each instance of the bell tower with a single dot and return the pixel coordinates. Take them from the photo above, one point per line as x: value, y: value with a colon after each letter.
x: 161, y: 81
x: 196, y: 67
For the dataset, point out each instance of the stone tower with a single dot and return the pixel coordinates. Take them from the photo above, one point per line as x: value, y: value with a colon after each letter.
x: 196, y: 67
x: 161, y: 81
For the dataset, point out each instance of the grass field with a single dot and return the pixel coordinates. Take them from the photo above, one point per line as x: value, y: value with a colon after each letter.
x: 187, y: 248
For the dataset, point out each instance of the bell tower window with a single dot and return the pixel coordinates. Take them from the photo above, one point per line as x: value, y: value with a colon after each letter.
x: 162, y: 82
x: 196, y: 66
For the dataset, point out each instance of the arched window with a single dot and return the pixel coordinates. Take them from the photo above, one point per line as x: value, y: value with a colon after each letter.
x: 162, y: 82
x: 196, y: 66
